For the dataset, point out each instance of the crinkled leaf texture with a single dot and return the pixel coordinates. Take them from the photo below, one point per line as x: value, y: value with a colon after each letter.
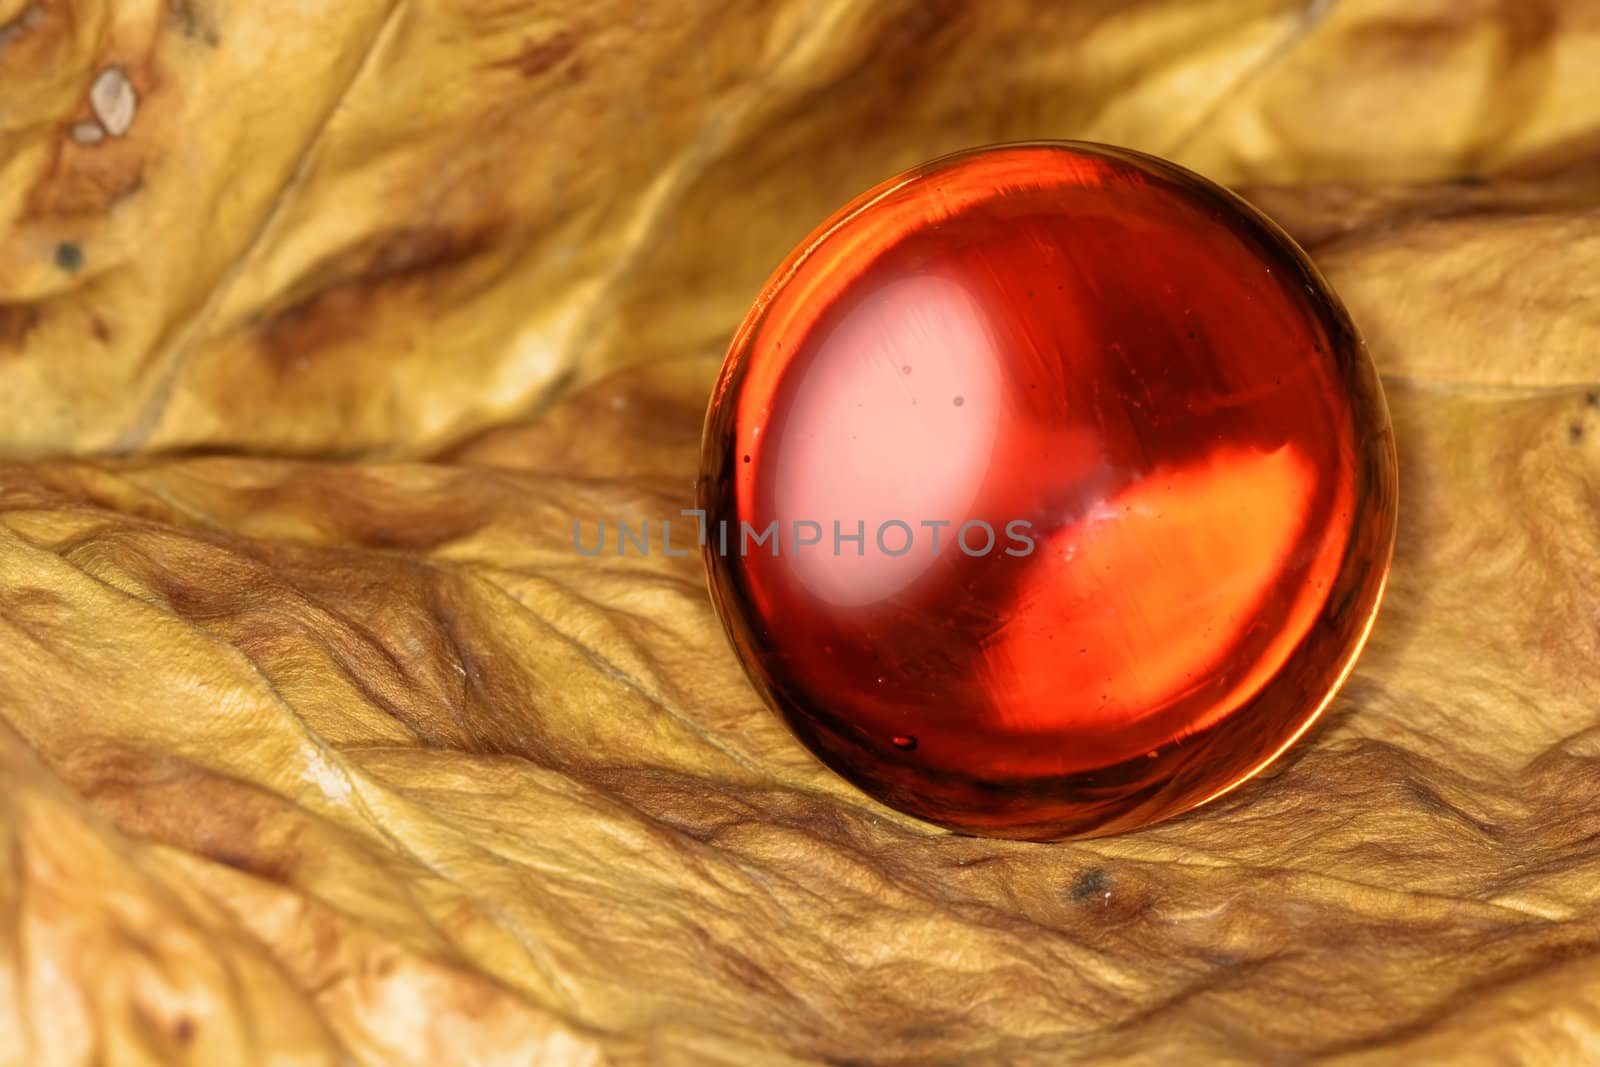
x: 321, y: 323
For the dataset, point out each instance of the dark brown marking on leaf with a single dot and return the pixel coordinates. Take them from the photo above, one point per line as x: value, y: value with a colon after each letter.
x: 537, y: 57
x: 85, y: 181
x: 1427, y: 798
x: 175, y: 803
x: 745, y: 972
x: 1432, y: 802
x: 273, y: 865
x: 417, y: 532
x: 1405, y: 41
x: 27, y: 614
x: 413, y: 251
x: 178, y: 1030
x: 367, y: 517
x: 1575, y: 433
x: 192, y: 22
x: 408, y: 259
x: 16, y: 322
x: 478, y: 701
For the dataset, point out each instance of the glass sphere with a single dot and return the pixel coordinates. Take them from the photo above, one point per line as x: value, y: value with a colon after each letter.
x: 1048, y: 490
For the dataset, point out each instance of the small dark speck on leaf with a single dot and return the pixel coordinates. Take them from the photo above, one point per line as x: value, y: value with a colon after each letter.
x: 747, y: 459
x: 1592, y: 399
x: 1094, y: 882
x: 69, y: 256
x: 960, y: 400
x: 1575, y: 433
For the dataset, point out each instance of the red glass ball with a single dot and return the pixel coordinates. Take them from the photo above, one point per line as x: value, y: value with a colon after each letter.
x: 1049, y: 491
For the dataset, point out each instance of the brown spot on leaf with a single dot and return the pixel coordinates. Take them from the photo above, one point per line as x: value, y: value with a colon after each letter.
x: 407, y: 259
x: 235, y: 823
x: 416, y: 520
x: 85, y: 180
x: 537, y: 57
x: 192, y: 22
x: 16, y: 322
x: 736, y: 966
x: 1432, y: 802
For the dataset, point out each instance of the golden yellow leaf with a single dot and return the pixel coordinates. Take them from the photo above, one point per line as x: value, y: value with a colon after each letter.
x: 320, y: 324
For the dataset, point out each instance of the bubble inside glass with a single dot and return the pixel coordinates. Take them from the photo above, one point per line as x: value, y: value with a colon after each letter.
x: 1049, y: 491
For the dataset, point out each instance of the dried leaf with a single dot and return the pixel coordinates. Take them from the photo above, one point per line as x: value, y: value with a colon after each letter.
x: 311, y: 760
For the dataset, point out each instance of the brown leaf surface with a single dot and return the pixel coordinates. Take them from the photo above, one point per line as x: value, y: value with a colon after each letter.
x: 317, y: 759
